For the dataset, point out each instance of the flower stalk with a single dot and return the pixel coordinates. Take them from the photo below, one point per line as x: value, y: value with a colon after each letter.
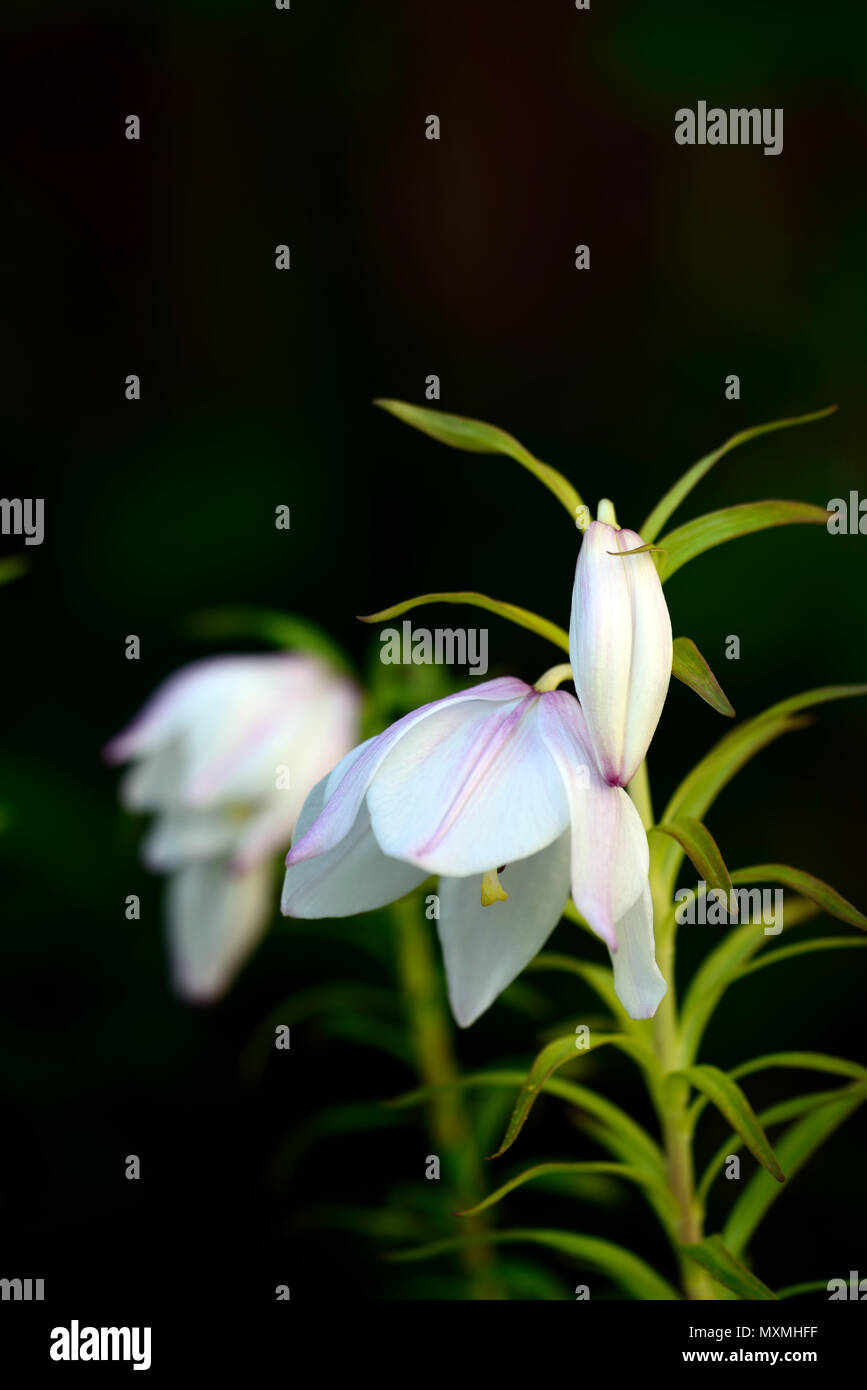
x: 672, y: 1101
x: 437, y: 1068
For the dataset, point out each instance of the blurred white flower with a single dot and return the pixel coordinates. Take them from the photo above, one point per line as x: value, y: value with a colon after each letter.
x: 225, y: 753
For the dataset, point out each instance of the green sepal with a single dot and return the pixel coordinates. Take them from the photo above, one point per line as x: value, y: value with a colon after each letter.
x: 690, y: 667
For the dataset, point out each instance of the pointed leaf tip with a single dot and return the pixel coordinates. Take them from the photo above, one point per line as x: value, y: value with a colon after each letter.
x: 704, y: 852
x: 478, y: 437
x: 691, y: 668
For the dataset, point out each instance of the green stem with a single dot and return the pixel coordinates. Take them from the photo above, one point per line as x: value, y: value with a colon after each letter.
x: 673, y: 1111
x: 447, y: 1118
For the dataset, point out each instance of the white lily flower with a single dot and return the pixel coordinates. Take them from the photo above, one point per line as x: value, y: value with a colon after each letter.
x: 620, y: 647
x: 225, y: 752
x: 496, y: 782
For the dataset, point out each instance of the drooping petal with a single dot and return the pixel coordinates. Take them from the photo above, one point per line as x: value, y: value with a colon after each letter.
x: 468, y: 789
x: 620, y: 646
x: 352, y: 876
x: 189, y: 697
x: 311, y: 757
x: 178, y: 836
x: 638, y: 980
x: 348, y: 784
x: 155, y: 782
x: 485, y: 948
x: 215, y: 919
x: 609, y: 852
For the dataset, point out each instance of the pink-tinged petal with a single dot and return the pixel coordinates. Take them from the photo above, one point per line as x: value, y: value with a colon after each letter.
x: 620, y: 646
x: 468, y: 789
x: 352, y: 876
x: 215, y: 919
x: 638, y: 981
x: 610, y: 857
x: 180, y: 701
x: 310, y: 759
x: 348, y: 784
x: 486, y: 948
x: 304, y: 722
x: 217, y: 729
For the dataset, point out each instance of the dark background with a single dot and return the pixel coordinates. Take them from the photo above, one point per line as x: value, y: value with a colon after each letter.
x: 409, y: 257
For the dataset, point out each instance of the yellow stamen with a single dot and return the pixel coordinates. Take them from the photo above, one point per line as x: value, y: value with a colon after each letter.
x: 492, y: 889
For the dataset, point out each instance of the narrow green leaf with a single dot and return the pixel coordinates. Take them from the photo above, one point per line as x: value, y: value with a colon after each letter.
x: 713, y: 529
x: 542, y: 1170
x: 635, y: 1144
x: 795, y: 1147
x: 522, y: 617
x: 270, y: 625
x: 802, y: 1061
x: 808, y: 886
x: 801, y: 948
x: 684, y: 486
x: 820, y: 696
x: 795, y: 1290
x: 792, y: 1109
x: 557, y: 1054
x: 714, y: 1256
x: 721, y: 968
x: 477, y: 437
x: 733, y: 1105
x: 699, y: 789
x: 626, y: 1269
x: 690, y: 667
x: 795, y: 1061
x: 704, y: 852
